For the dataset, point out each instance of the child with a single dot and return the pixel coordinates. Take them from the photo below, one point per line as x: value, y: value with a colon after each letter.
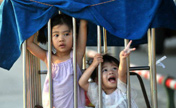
x: 113, y: 80
x: 62, y: 66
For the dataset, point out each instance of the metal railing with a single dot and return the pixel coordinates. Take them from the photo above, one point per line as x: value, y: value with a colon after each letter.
x: 152, y: 67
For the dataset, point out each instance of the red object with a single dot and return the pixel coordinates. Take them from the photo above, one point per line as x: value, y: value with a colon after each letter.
x: 88, y: 103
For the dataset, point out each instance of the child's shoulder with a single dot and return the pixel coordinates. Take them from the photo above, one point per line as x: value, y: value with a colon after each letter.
x: 93, y: 85
x: 121, y: 85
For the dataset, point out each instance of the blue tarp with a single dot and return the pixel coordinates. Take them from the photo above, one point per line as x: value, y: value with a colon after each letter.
x: 130, y: 19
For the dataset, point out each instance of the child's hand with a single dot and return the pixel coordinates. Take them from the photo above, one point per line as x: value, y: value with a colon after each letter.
x: 91, y: 53
x: 126, y: 52
x: 98, y: 58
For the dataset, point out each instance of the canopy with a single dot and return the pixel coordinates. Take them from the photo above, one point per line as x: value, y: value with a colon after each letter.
x: 129, y: 19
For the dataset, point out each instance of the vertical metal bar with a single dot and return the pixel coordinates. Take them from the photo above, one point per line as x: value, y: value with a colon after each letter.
x: 149, y: 59
x: 99, y: 66
x: 39, y: 100
x: 105, y: 40
x: 128, y: 78
x: 149, y: 45
x: 24, y: 77
x: 32, y: 81
x: 74, y: 63
x: 49, y: 66
x: 35, y: 81
x: 29, y: 97
x: 37, y: 78
x: 84, y: 61
x: 153, y: 64
x: 29, y: 81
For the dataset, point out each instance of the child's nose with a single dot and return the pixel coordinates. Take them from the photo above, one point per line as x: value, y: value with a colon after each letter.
x: 110, y: 72
x: 61, y: 38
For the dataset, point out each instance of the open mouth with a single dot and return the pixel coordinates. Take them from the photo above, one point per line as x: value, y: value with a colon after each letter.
x: 112, y: 79
x: 62, y: 45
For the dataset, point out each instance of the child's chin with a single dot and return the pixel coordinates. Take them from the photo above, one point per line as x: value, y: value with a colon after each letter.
x: 113, y: 87
x: 113, y: 84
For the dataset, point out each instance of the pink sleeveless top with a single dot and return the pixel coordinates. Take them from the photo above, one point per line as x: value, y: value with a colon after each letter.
x: 63, y: 88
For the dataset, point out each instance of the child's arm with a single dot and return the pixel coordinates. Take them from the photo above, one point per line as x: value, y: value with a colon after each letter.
x: 81, y: 42
x: 123, y: 63
x: 83, y: 81
x: 35, y: 49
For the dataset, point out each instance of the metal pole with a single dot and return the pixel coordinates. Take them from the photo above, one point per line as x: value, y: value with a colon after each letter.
x: 24, y: 77
x: 105, y: 40
x: 128, y: 78
x: 74, y: 63
x: 99, y: 66
x: 149, y: 59
x: 84, y: 61
x: 49, y: 66
x: 153, y: 63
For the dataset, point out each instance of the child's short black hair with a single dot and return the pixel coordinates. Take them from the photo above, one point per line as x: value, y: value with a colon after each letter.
x: 106, y: 58
x: 59, y: 19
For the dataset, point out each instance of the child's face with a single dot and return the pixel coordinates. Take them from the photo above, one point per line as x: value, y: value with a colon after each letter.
x: 109, y: 76
x: 62, y: 38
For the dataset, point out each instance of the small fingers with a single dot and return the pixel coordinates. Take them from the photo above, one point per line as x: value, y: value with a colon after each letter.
x: 127, y: 49
x: 100, y: 60
x: 98, y: 56
x: 132, y: 49
x: 128, y: 46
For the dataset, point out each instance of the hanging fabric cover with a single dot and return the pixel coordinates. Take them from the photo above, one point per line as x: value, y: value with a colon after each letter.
x: 111, y: 39
x: 129, y: 19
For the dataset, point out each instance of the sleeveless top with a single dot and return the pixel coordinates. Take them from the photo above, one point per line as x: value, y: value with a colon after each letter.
x: 63, y: 87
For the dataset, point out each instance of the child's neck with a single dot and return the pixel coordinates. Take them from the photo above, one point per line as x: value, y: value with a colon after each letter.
x: 60, y: 57
x: 63, y: 55
x: 109, y: 91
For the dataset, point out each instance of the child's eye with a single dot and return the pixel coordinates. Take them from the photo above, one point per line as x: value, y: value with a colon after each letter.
x: 104, y: 70
x: 66, y: 34
x: 56, y: 35
x: 114, y: 68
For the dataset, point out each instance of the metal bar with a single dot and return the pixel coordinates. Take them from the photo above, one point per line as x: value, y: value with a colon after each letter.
x: 105, y: 40
x: 39, y: 84
x: 29, y: 97
x: 35, y: 81
x: 32, y: 81
x: 49, y: 66
x: 42, y: 71
x: 140, y: 68
x: 149, y: 59
x: 24, y: 77
x: 74, y: 63
x: 128, y: 78
x: 99, y: 66
x: 153, y: 63
x: 84, y: 61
